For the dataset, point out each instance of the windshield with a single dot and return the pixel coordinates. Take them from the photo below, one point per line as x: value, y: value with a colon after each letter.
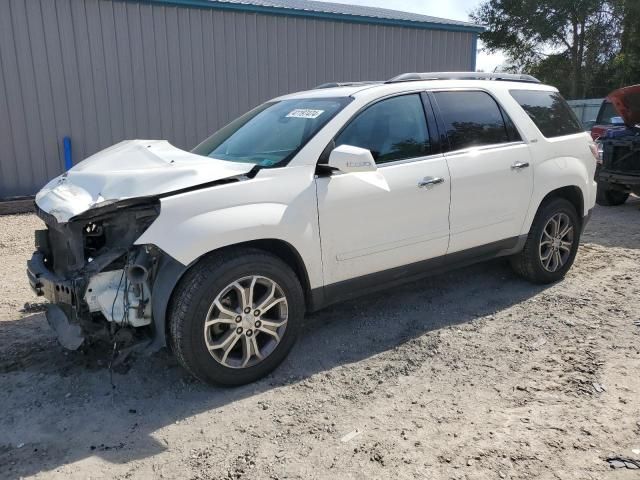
x: 271, y: 134
x: 607, y: 112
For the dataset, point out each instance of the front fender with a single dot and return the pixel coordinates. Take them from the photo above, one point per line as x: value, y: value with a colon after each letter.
x: 193, y: 224
x: 187, y: 239
x: 184, y: 240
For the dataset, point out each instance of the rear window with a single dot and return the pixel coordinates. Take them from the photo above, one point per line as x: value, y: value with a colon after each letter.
x: 474, y: 119
x: 549, y: 111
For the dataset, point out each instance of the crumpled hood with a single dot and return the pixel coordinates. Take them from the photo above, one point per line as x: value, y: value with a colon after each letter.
x: 627, y: 103
x: 130, y: 169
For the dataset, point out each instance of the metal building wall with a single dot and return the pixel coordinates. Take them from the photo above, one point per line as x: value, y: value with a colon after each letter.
x: 101, y: 71
x: 586, y: 109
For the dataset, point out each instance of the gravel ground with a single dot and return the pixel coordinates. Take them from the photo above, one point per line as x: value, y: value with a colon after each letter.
x: 474, y: 374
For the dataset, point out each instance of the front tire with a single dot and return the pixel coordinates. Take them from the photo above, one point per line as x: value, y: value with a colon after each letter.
x: 608, y: 197
x: 235, y: 316
x: 552, y: 243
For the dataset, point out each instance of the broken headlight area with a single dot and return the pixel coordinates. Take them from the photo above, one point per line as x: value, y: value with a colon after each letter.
x: 93, y: 275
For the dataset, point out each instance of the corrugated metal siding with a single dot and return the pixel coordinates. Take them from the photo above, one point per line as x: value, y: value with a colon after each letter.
x: 101, y: 71
x: 587, y: 109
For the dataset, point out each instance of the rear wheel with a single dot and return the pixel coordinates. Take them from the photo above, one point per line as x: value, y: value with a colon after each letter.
x: 609, y: 197
x: 234, y: 317
x: 552, y: 243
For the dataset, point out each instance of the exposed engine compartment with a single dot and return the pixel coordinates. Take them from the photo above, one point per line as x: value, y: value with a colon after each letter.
x: 122, y: 296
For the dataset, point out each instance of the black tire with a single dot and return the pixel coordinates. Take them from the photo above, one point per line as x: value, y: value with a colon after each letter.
x: 608, y: 197
x: 528, y: 263
x: 196, y: 292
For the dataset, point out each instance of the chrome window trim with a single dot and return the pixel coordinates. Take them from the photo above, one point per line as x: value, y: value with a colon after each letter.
x: 396, y: 163
x: 493, y: 146
x: 409, y: 160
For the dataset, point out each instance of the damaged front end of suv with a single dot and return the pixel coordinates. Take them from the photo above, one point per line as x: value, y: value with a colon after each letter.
x: 87, y: 262
x: 90, y: 270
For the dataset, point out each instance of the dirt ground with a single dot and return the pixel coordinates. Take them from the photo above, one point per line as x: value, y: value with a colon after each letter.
x: 474, y: 374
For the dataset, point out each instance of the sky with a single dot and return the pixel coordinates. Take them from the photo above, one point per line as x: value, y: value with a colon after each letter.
x: 452, y: 9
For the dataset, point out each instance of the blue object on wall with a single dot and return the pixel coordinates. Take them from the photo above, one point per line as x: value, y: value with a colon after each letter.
x: 68, y: 163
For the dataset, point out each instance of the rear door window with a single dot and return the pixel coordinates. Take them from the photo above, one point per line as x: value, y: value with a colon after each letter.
x: 549, y: 111
x: 392, y: 129
x: 473, y: 119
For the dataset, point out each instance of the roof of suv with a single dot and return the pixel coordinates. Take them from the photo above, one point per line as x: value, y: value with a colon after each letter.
x: 389, y: 88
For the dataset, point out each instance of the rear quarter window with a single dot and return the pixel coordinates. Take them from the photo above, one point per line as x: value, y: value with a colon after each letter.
x: 549, y: 111
x: 473, y: 119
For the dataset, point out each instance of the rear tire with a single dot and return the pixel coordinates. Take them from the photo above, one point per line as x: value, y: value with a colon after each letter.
x: 552, y: 243
x: 217, y: 331
x: 608, y: 197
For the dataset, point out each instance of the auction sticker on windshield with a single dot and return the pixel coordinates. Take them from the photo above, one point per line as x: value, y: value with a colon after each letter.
x: 305, y: 113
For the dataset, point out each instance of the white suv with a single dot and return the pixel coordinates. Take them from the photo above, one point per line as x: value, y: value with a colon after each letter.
x: 307, y: 200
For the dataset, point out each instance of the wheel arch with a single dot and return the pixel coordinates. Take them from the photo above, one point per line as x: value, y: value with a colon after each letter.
x: 170, y: 272
x: 285, y: 252
x: 572, y: 193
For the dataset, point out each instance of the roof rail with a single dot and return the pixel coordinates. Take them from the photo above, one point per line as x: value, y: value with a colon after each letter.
x: 508, y: 77
x: 346, y: 84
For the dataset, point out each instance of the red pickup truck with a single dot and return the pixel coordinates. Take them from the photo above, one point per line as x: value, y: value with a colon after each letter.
x: 617, y: 132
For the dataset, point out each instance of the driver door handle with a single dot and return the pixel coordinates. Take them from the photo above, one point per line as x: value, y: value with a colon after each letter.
x: 428, y: 182
x: 519, y: 165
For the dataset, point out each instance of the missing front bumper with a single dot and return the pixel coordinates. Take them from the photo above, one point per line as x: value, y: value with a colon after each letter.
x: 87, y: 303
x: 92, y: 273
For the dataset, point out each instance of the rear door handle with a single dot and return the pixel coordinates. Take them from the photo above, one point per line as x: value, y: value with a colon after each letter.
x: 519, y: 165
x: 428, y: 182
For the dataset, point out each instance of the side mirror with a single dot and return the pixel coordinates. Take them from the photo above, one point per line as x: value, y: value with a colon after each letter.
x: 348, y: 159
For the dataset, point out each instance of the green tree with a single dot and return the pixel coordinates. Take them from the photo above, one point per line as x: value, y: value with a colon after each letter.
x: 564, y: 40
x: 627, y: 62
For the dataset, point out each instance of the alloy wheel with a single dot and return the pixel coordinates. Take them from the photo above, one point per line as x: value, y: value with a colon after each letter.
x: 246, y: 322
x: 556, y: 242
